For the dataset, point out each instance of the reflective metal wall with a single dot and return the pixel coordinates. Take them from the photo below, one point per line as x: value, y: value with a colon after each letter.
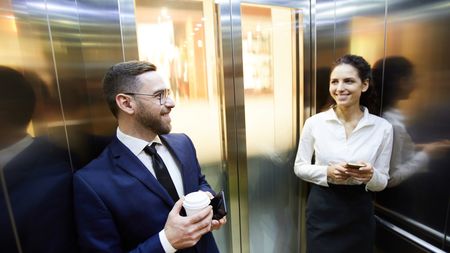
x: 416, y: 95
x: 406, y: 43
x: 266, y: 51
x: 55, y: 120
x: 56, y: 53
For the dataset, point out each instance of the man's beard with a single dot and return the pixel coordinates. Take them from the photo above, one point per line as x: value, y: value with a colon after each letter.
x: 152, y: 122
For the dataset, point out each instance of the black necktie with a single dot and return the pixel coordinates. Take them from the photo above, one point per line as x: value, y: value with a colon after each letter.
x: 161, y: 172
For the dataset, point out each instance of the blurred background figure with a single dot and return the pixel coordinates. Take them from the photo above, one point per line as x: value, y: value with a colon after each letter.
x: 36, y: 176
x: 408, y: 157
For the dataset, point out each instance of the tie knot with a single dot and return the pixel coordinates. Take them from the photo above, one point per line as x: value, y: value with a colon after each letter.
x: 150, y: 150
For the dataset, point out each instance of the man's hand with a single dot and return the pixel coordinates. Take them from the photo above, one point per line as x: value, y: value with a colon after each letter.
x: 216, y: 224
x: 184, y: 232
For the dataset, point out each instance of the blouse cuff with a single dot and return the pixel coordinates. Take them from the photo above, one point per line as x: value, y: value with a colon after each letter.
x: 376, y: 182
x: 323, y: 180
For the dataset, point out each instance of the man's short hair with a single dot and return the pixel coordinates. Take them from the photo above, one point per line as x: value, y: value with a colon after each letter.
x: 121, y: 78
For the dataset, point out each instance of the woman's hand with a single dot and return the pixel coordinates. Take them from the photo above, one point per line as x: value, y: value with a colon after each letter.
x: 337, y: 172
x: 363, y: 174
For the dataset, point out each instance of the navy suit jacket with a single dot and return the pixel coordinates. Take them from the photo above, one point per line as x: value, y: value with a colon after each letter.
x: 121, y: 207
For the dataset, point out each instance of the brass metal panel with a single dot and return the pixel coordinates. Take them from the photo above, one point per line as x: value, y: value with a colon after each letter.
x: 128, y: 29
x: 325, y: 25
x: 91, y: 123
x: 356, y: 21
x: 306, y: 95
x: 415, y: 76
x: 346, y: 27
x: 234, y: 123
x: 69, y: 75
x: 251, y: 179
x: 36, y: 178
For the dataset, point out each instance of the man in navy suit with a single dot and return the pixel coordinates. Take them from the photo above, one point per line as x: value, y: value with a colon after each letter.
x: 121, y: 204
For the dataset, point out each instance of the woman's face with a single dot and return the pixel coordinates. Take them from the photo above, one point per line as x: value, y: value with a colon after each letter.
x: 346, y: 86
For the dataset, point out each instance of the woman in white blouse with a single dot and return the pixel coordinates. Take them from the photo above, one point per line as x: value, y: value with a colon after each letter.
x: 339, y: 210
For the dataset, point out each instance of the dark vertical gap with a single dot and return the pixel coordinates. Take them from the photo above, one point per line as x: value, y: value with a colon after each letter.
x: 384, y: 56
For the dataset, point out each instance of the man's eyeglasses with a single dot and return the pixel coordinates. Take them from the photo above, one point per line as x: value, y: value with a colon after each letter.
x: 160, y: 95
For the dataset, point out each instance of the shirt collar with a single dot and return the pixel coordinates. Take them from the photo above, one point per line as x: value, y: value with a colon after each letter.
x: 366, y: 120
x: 135, y: 145
x: 330, y: 115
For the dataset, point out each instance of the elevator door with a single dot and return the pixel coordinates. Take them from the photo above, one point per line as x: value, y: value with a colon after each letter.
x: 263, y: 63
x: 236, y: 75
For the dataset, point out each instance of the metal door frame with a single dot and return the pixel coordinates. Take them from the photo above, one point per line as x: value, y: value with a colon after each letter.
x: 229, y: 20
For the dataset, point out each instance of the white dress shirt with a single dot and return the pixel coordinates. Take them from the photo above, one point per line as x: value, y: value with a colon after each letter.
x: 136, y: 146
x: 405, y: 161
x: 324, y: 135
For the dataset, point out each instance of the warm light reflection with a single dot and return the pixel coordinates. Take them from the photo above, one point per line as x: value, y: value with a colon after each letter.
x: 181, y: 42
x: 257, y: 48
x: 270, y: 52
x: 366, y: 38
x: 30, y: 129
x: 268, y: 48
x: 176, y: 46
x: 166, y: 51
x: 10, y: 53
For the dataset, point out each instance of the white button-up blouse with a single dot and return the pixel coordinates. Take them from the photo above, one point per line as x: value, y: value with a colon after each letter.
x: 324, y: 135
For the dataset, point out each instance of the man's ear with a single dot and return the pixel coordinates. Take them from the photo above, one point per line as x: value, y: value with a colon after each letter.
x: 365, y: 85
x: 125, y: 103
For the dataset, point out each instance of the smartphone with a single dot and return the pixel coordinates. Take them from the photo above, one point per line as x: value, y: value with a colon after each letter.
x: 219, y: 206
x: 354, y: 166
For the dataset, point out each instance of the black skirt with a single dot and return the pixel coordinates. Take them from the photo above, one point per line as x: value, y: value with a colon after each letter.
x: 340, y: 218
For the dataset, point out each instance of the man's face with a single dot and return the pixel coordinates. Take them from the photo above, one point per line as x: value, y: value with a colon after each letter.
x: 150, y: 113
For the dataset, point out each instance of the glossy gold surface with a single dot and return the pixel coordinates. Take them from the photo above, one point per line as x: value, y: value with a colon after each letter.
x: 245, y: 75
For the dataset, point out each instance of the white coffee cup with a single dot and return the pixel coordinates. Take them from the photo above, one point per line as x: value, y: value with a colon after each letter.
x: 195, y: 201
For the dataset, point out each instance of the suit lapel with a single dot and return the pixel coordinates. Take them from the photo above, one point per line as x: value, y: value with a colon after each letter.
x: 127, y: 161
x: 175, y: 146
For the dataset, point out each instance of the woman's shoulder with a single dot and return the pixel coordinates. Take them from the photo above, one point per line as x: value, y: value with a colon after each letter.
x: 380, y: 122
x: 319, y: 117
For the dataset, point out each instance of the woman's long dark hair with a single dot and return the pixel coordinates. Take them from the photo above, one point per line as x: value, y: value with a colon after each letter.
x: 368, y: 98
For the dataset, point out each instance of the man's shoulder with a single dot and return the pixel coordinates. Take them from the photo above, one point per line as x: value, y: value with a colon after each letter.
x: 97, y: 166
x: 175, y: 138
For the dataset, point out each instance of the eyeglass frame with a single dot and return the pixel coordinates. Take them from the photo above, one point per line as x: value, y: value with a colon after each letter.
x: 160, y: 95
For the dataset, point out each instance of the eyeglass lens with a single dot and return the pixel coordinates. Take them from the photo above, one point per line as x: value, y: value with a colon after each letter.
x: 163, y: 96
